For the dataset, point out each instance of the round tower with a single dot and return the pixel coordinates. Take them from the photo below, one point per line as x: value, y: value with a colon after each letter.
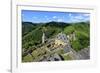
x: 43, y: 38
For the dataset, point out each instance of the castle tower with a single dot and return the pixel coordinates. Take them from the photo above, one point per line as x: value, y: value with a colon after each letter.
x: 43, y: 38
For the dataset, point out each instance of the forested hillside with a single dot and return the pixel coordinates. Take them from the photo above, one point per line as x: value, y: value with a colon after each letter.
x: 32, y: 33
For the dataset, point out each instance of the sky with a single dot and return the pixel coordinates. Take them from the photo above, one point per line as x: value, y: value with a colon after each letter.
x: 45, y: 16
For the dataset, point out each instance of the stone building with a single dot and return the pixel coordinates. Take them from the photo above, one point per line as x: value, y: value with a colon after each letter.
x: 61, y: 39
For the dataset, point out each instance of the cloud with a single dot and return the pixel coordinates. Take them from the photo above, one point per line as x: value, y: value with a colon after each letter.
x: 70, y: 15
x: 45, y: 16
x: 60, y: 20
x: 54, y: 17
x: 78, y: 17
x: 87, y: 15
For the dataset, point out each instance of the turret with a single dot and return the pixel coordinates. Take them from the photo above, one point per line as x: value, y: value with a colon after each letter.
x: 43, y: 38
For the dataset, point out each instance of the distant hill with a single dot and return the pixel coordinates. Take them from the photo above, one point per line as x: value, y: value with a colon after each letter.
x: 27, y: 27
x: 57, y: 24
